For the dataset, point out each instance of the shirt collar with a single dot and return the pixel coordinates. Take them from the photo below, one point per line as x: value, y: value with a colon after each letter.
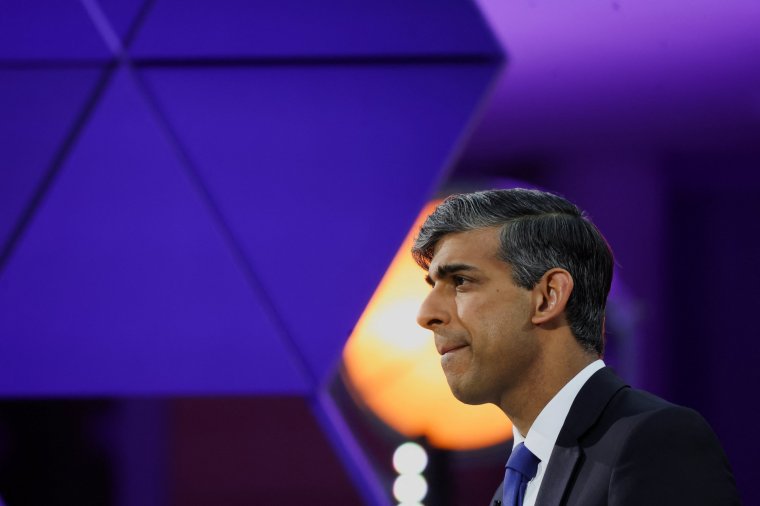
x: 545, y: 429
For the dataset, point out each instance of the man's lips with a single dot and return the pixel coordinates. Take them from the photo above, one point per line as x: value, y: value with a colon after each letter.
x: 450, y: 347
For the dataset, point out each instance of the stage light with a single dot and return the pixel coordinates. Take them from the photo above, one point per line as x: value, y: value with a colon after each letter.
x: 410, y: 458
x: 410, y: 488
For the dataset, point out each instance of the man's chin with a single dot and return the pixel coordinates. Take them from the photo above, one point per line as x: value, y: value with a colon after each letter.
x: 465, y: 395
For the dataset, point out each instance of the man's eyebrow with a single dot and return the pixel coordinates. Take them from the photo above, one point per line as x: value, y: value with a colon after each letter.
x: 444, y: 271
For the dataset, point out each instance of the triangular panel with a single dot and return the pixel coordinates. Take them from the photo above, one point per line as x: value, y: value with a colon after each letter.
x: 123, y: 282
x: 122, y: 14
x: 320, y: 171
x: 297, y: 28
x: 40, y: 107
x: 48, y: 30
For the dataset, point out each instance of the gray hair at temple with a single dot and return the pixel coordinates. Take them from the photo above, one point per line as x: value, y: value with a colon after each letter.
x: 539, y: 231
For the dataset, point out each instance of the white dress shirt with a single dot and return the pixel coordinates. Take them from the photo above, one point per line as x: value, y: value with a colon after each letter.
x: 545, y: 430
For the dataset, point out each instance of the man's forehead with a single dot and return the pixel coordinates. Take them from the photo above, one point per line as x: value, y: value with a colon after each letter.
x: 467, y: 246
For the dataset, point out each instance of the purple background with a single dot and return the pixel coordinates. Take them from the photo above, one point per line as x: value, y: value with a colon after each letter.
x: 197, y: 199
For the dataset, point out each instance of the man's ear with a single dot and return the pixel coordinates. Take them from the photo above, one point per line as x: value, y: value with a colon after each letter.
x: 550, y: 295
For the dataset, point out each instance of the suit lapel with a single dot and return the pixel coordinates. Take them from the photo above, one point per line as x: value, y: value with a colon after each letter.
x: 586, y: 409
x: 558, y: 475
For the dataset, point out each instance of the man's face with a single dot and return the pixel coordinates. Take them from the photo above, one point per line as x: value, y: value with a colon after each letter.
x: 480, y: 318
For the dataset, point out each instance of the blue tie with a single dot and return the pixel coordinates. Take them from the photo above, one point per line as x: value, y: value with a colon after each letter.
x: 521, y: 468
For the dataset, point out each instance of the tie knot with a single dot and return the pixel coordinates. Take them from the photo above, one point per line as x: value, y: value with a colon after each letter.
x: 523, y: 461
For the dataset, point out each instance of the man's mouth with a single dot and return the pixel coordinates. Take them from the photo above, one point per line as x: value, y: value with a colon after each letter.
x: 449, y: 348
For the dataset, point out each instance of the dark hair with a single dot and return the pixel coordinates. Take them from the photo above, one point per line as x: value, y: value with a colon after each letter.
x: 540, y: 231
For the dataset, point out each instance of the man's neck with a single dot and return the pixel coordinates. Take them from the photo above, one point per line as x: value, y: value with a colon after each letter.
x: 554, y: 372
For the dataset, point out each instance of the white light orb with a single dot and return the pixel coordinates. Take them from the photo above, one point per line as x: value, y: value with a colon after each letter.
x: 410, y: 458
x: 410, y: 488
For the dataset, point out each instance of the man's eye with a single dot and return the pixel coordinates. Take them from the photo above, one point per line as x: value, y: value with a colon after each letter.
x: 458, y: 280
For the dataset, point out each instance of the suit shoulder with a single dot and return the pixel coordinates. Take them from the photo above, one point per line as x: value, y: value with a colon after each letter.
x: 657, y: 421
x: 668, y: 455
x: 645, y: 411
x: 631, y: 400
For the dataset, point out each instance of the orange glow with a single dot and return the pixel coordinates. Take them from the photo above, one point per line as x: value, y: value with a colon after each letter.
x: 393, y: 364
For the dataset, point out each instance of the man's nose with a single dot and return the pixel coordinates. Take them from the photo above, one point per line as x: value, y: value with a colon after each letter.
x: 433, y: 312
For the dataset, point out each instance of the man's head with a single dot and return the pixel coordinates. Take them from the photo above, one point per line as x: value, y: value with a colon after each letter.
x: 538, y: 231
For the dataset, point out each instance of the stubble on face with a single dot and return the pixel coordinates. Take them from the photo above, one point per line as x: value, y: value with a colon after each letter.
x: 488, y: 349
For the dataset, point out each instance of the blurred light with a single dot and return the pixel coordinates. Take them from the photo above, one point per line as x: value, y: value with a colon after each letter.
x: 410, y: 488
x: 410, y: 458
x: 410, y: 504
x: 393, y: 365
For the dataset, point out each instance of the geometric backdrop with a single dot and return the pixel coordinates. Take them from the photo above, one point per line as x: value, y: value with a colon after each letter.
x: 200, y: 197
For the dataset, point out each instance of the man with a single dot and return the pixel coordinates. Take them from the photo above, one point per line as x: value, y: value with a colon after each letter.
x: 519, y: 281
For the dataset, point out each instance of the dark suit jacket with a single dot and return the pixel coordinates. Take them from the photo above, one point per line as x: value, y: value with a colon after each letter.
x: 621, y: 447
